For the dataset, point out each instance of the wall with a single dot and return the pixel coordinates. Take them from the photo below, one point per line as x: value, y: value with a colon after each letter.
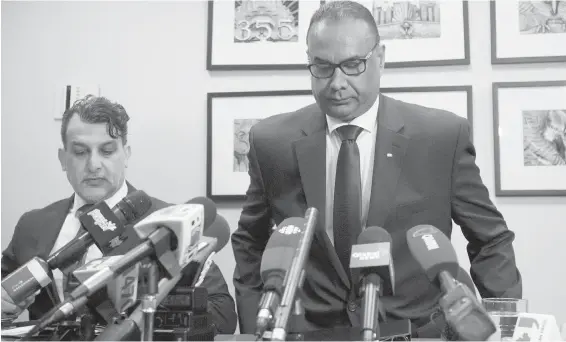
x: 151, y: 57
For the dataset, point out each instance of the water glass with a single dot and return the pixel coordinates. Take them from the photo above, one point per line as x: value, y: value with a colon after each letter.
x: 505, y: 312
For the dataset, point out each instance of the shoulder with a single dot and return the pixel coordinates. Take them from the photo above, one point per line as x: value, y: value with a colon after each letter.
x: 37, y: 215
x: 426, y: 121
x: 286, y: 123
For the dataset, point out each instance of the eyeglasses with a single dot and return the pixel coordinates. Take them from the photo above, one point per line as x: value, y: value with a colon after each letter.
x: 351, y: 67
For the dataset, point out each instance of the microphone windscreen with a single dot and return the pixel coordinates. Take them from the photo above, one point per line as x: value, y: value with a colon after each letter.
x: 209, y: 209
x: 280, y: 251
x: 220, y: 230
x: 373, y: 235
x: 432, y: 250
x: 134, y: 205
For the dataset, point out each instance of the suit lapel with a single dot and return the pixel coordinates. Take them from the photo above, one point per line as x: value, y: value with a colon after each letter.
x: 311, y: 156
x: 390, y: 148
x: 51, y: 226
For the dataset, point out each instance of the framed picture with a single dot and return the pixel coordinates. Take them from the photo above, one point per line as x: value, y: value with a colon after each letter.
x: 422, y: 33
x: 230, y: 117
x: 232, y: 114
x: 258, y: 34
x: 529, y: 120
x: 528, y: 31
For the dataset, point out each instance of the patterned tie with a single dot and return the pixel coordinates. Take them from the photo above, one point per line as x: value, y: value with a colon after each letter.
x: 347, y: 195
x: 67, y: 284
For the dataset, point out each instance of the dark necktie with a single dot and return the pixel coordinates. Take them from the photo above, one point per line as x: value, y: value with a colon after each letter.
x: 67, y: 288
x: 347, y: 219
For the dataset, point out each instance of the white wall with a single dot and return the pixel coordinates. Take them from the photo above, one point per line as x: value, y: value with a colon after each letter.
x: 151, y: 57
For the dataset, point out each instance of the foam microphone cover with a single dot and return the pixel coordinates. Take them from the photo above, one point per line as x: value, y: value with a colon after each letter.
x: 280, y: 251
x: 220, y: 230
x: 134, y: 205
x: 383, y: 265
x: 433, y: 251
x: 209, y: 209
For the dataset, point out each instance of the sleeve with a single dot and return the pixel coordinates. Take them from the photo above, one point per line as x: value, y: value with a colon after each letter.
x: 493, y: 268
x: 221, y: 306
x: 9, y: 258
x: 248, y: 243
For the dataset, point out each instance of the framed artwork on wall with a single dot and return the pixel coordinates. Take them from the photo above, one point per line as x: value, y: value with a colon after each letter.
x: 528, y: 31
x: 422, y: 33
x: 258, y: 34
x: 230, y: 117
x: 232, y: 114
x: 529, y: 125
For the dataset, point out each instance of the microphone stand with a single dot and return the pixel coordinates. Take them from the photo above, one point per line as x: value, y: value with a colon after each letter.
x: 294, y: 279
x: 297, y: 319
x: 149, y: 302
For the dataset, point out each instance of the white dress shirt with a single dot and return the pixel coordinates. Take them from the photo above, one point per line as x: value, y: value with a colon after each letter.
x: 71, y: 227
x: 366, y: 145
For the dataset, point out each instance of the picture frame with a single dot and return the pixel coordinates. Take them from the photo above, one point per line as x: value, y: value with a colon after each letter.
x: 529, y: 127
x: 227, y: 145
x: 528, y: 31
x: 227, y: 176
x: 439, y: 42
x: 238, y: 40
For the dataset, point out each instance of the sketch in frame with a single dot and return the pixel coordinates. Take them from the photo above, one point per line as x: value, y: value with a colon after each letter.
x: 405, y: 26
x: 544, y: 137
x: 528, y: 31
x: 407, y: 19
x: 542, y: 17
x: 242, y: 143
x: 266, y: 21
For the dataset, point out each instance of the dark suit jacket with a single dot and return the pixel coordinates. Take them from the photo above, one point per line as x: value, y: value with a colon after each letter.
x: 36, y: 233
x: 431, y: 178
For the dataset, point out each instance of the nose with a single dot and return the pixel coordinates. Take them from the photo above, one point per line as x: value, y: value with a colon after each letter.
x: 338, y: 80
x: 94, y: 162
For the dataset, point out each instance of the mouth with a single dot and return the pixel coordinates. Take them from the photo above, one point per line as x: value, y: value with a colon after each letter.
x: 94, y: 181
x: 339, y: 101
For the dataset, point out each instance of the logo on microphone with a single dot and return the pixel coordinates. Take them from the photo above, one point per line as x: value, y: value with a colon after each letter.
x: 430, y: 242
x: 425, y: 230
x: 290, y: 230
x: 363, y: 256
x: 101, y: 221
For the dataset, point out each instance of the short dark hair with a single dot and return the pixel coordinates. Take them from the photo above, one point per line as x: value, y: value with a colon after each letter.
x: 336, y: 11
x: 98, y: 109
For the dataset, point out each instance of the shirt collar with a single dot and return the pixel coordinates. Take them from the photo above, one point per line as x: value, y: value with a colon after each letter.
x: 111, y: 202
x: 366, y: 121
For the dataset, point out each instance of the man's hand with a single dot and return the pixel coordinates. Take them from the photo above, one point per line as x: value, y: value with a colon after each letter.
x: 11, y: 309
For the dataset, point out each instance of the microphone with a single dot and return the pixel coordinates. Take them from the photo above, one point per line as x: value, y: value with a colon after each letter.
x: 372, y: 256
x: 130, y: 328
x: 121, y: 292
x: 294, y: 278
x: 36, y: 273
x: 275, y: 261
x: 461, y: 308
x: 170, y: 236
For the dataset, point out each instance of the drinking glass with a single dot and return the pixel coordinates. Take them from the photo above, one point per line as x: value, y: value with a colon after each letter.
x: 505, y: 312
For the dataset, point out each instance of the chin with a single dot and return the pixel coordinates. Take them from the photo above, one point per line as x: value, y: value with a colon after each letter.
x: 94, y: 194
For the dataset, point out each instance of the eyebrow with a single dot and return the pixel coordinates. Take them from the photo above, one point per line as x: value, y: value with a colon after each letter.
x: 317, y: 59
x: 104, y: 144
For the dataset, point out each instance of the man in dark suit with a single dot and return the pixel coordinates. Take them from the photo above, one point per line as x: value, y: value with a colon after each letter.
x: 94, y: 156
x: 364, y: 159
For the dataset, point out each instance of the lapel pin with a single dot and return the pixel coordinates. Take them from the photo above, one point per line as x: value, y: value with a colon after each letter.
x: 389, y: 155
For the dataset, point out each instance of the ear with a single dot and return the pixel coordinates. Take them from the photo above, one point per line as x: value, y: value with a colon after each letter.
x: 62, y: 158
x: 128, y: 151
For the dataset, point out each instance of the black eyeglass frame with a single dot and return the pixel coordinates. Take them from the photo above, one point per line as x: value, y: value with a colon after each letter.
x: 340, y: 65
